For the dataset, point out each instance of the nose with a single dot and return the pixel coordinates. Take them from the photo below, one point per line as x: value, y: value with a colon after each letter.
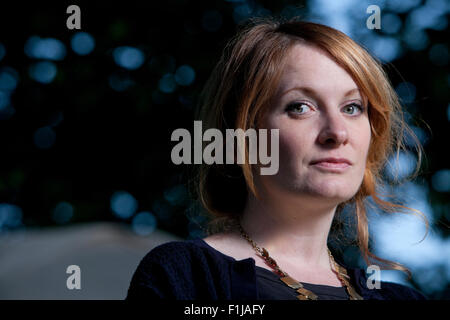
x: 334, y: 131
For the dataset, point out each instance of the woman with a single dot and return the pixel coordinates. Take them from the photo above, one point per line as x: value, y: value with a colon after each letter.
x: 338, y: 119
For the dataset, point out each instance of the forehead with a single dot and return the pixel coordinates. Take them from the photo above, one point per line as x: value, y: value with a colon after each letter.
x: 310, y: 66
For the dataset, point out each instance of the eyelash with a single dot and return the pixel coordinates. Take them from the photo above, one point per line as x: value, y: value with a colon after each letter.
x: 295, y: 104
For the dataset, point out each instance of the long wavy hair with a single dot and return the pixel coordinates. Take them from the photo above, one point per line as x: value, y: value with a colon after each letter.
x: 240, y: 89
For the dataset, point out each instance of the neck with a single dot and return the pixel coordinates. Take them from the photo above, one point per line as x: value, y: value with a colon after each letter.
x: 290, y: 229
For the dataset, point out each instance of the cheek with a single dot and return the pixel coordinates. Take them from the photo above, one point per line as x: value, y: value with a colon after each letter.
x: 366, y: 137
x: 362, y: 140
x: 288, y: 138
x: 293, y: 144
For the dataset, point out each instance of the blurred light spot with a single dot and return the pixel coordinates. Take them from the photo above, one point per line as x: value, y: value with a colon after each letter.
x: 394, y: 276
x: 10, y: 216
x: 5, y: 99
x: 45, y: 48
x: 336, y: 14
x: 396, y: 236
x: 63, y: 212
x: 123, y: 204
x: 167, y: 83
x: 128, y: 57
x: 9, y: 78
x: 391, y: 23
x: 442, y: 5
x: 176, y: 195
x: 43, y: 71
x: 163, y: 64
x: 441, y: 180
x: 2, y: 51
x: 435, y: 280
x: 427, y: 17
x: 448, y: 112
x: 402, y: 6
x: 416, y: 39
x: 415, y: 196
x: 185, y: 75
x: 212, y: 20
x: 406, y: 92
x: 82, y: 43
x: 441, y: 23
x: 419, y: 133
x: 421, y: 18
x: 120, y: 82
x: 242, y: 12
x: 438, y: 54
x: 44, y: 137
x: 385, y: 48
x: 144, y: 223
x: 402, y: 167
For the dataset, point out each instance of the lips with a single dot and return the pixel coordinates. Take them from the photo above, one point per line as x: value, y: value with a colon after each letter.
x: 332, y: 164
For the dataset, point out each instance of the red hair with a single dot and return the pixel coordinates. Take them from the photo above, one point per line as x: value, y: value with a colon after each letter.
x: 241, y: 87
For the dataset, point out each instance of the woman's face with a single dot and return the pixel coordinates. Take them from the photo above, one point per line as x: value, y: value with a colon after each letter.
x: 320, y: 114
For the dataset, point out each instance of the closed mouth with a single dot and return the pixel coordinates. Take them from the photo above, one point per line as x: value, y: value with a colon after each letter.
x: 332, y: 162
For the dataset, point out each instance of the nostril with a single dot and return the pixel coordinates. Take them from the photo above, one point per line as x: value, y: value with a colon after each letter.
x: 332, y: 140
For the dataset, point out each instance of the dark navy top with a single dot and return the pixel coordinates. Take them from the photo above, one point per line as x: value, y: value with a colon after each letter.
x: 193, y: 270
x: 270, y: 287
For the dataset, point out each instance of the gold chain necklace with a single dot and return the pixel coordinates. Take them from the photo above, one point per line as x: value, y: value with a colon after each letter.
x: 304, y: 294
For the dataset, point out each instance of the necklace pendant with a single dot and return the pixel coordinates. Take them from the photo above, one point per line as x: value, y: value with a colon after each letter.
x: 353, y: 294
x: 308, y: 295
x: 305, y: 294
x: 291, y: 283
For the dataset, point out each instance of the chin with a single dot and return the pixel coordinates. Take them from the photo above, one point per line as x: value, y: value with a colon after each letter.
x: 332, y: 193
x: 334, y: 190
x: 328, y: 190
x: 334, y: 197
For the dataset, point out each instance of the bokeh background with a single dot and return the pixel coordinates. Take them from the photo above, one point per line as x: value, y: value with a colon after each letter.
x: 86, y: 118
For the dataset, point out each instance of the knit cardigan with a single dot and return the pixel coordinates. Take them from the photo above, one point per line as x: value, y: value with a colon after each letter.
x: 193, y: 270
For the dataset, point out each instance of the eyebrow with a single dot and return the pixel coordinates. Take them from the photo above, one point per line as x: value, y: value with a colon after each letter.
x: 313, y: 92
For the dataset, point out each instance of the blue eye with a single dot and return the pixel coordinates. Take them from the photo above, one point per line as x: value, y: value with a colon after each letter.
x: 297, y: 107
x: 353, y: 107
